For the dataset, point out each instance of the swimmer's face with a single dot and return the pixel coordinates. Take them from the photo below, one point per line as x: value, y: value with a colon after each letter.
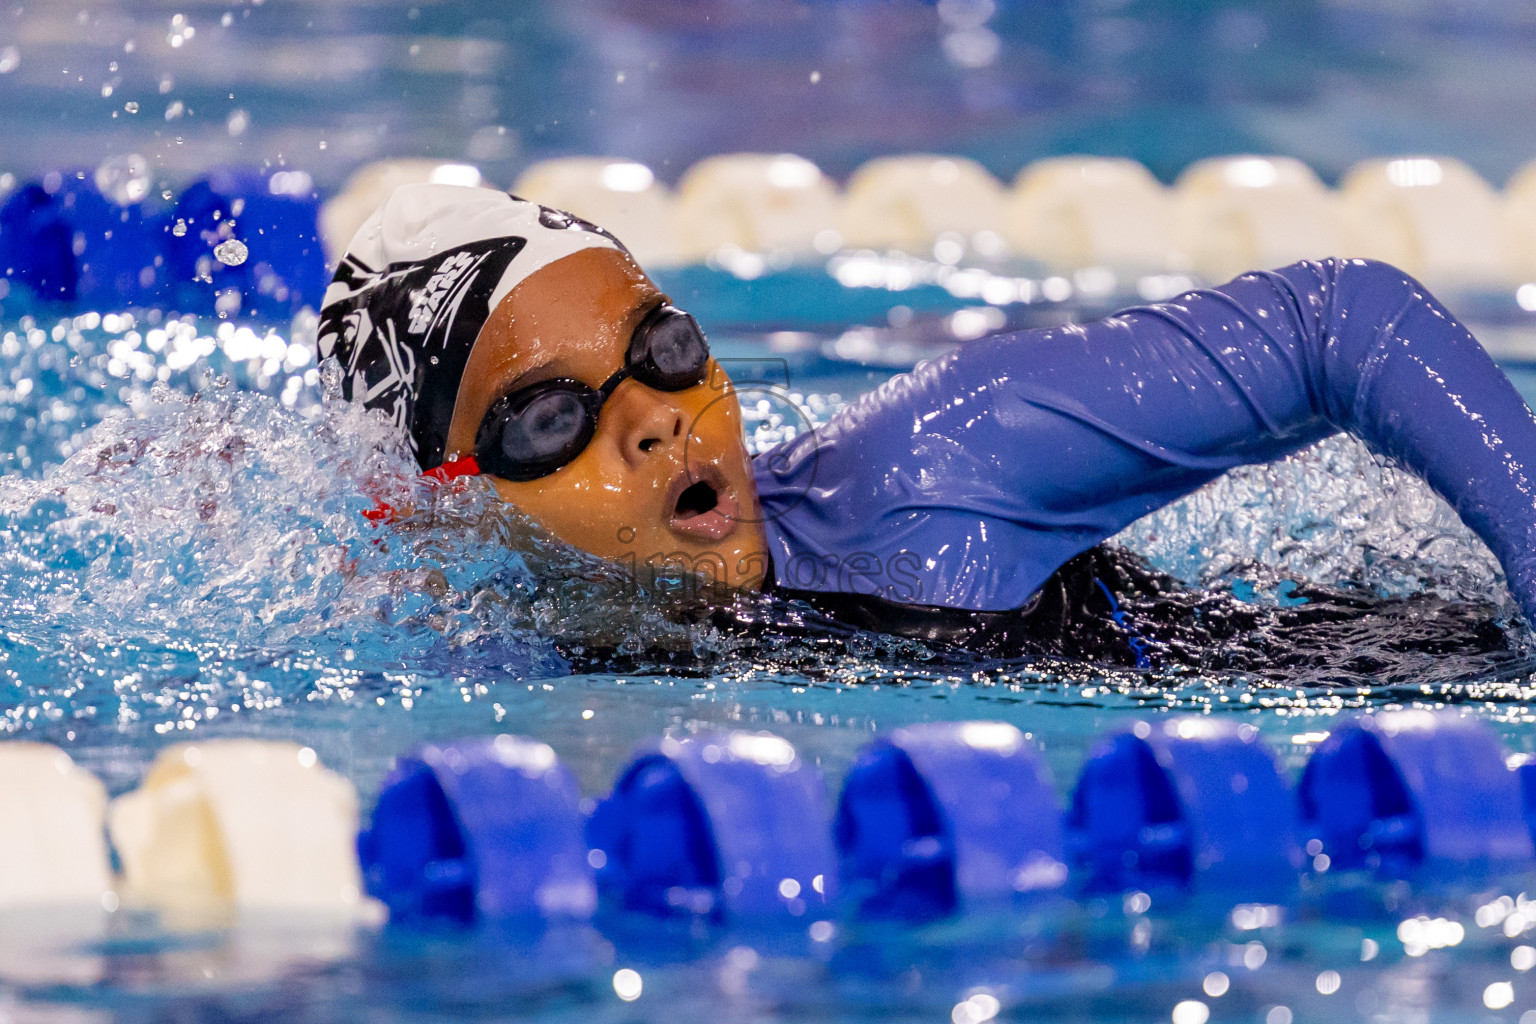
x: 666, y: 481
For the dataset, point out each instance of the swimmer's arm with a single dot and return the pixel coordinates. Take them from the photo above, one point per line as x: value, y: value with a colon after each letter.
x: 1389, y: 364
x: 1129, y: 413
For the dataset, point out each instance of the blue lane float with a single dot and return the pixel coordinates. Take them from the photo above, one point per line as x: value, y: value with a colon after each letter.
x: 35, y: 244
x: 1527, y: 773
x: 64, y: 239
x: 67, y: 242
x: 486, y: 829
x: 939, y: 816
x: 274, y: 215
x: 1403, y: 791
x: 1195, y: 801
x: 727, y: 826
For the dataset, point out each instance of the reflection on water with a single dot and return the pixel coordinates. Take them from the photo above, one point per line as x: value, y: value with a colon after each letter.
x: 1332, y: 955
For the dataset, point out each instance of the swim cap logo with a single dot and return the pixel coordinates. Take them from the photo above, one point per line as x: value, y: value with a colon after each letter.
x: 403, y: 334
x: 426, y: 303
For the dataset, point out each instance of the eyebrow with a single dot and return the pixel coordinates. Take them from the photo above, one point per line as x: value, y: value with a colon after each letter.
x: 633, y: 319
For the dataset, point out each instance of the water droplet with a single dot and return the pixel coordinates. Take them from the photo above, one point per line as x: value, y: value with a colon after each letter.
x: 132, y: 106
x: 10, y: 57
x: 179, y: 229
x: 124, y: 178
x: 231, y: 253
x: 228, y: 302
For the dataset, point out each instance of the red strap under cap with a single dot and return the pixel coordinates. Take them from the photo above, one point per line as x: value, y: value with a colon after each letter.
x: 383, y: 512
x: 454, y: 468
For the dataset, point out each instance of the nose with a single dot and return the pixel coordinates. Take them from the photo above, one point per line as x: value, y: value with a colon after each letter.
x: 645, y: 421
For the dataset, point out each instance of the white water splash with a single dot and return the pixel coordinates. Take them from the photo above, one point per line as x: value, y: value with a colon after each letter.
x: 1332, y: 514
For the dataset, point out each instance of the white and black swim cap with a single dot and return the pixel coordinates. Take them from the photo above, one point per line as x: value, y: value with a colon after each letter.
x: 419, y: 280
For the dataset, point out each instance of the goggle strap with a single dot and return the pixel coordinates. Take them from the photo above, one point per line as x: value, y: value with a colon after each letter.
x: 452, y: 469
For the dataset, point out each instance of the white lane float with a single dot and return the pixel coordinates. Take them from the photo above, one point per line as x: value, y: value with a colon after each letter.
x: 53, y: 849
x: 621, y: 196
x: 1520, y: 230
x: 776, y: 204
x: 1075, y: 212
x: 1238, y: 213
x: 1433, y: 216
x: 239, y: 824
x: 940, y: 206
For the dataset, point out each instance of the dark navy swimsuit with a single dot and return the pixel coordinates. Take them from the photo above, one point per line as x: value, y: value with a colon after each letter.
x: 984, y: 482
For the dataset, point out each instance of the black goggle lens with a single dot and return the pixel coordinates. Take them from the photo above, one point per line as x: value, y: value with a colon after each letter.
x: 669, y: 352
x: 538, y: 429
x: 548, y: 425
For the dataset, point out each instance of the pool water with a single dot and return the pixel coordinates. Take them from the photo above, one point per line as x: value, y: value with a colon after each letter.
x: 183, y: 555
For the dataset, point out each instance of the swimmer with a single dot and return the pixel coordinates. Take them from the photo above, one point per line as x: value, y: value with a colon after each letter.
x: 967, y: 501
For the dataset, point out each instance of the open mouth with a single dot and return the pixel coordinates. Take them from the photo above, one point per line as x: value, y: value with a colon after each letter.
x: 702, y: 508
x: 696, y: 499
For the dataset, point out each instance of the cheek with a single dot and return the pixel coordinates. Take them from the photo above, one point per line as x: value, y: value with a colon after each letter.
x: 591, y: 503
x: 565, y: 502
x: 714, y: 430
x: 604, y: 519
x: 568, y: 510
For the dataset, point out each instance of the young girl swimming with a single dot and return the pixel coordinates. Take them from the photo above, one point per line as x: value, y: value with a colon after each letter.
x: 966, y: 501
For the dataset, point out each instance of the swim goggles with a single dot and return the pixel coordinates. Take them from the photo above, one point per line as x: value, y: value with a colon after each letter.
x: 537, y: 429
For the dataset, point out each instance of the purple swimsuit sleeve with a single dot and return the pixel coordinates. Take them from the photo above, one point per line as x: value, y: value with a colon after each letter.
x: 966, y: 482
